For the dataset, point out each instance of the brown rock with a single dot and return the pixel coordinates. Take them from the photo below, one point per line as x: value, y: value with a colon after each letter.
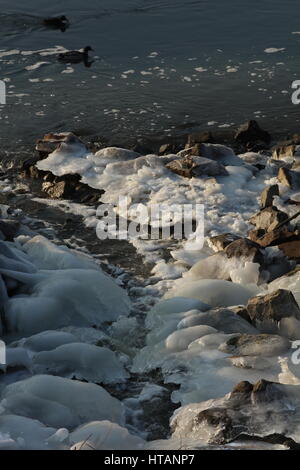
x: 251, y: 132
x: 219, y: 242
x: 267, y: 196
x: 273, y: 307
x: 246, y: 248
x: 275, y: 237
x: 268, y: 219
x: 289, y: 178
x: 191, y: 166
x: 200, y: 138
x: 283, y: 151
x: 242, y: 312
x: 291, y: 249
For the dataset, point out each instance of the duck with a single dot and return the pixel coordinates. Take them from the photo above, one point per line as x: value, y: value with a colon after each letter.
x: 75, y: 57
x: 57, y: 22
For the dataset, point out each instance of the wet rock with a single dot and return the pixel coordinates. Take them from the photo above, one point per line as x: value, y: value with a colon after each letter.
x: 250, y: 132
x: 265, y: 391
x: 220, y: 242
x: 245, y: 248
x: 70, y: 187
x: 267, y: 196
x: 202, y: 137
x: 196, y: 167
x: 268, y: 219
x: 291, y: 249
x: 273, y: 307
x: 255, y: 345
x: 283, y: 152
x: 242, y: 312
x: 51, y: 142
x: 289, y: 178
x: 169, y: 148
x: 275, y: 237
x: 9, y: 228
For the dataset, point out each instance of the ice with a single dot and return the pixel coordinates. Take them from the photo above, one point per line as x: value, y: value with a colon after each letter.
x: 46, y: 340
x: 82, y: 361
x: 104, y: 435
x: 217, y: 293
x: 60, y: 402
x: 25, y: 433
x: 180, y: 340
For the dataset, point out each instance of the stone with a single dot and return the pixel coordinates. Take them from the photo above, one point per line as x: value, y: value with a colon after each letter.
x: 242, y: 312
x: 51, y: 142
x: 283, y: 151
x: 273, y: 307
x: 9, y: 228
x: 268, y: 219
x: 70, y: 187
x: 251, y: 132
x: 169, y: 148
x: 291, y: 249
x: 267, y: 196
x: 202, y: 137
x: 264, y: 345
x: 289, y: 178
x: 219, y: 242
x: 275, y: 237
x: 190, y: 167
x: 245, y: 248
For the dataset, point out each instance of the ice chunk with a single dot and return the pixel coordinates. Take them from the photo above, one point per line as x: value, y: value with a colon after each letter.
x: 104, y: 435
x: 46, y: 340
x: 217, y: 293
x: 82, y: 361
x: 60, y: 402
x: 179, y: 340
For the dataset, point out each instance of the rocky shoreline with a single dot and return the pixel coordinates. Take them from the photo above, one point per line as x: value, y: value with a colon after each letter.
x: 225, y: 317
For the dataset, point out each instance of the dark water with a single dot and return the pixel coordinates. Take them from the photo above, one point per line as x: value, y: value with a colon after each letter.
x: 159, y: 44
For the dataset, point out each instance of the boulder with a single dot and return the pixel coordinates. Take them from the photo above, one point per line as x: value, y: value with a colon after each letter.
x: 201, y: 137
x: 51, y: 142
x: 250, y: 132
x: 9, y: 228
x: 255, y: 345
x: 169, y: 148
x: 268, y: 219
x: 70, y: 187
x: 273, y: 307
x: 274, y: 237
x: 192, y: 166
x: 219, y: 242
x: 289, y: 178
x: 291, y: 249
x: 267, y: 196
x: 245, y: 248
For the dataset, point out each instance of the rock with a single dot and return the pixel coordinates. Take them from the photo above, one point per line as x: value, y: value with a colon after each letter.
x: 242, y: 312
x: 291, y: 249
x: 268, y: 219
x: 245, y: 248
x: 275, y: 237
x: 9, y: 228
x: 290, y: 328
x: 196, y: 167
x: 51, y: 142
x: 225, y: 320
x: 219, y: 242
x: 255, y: 345
x: 266, y: 392
x: 250, y: 132
x: 202, y: 137
x: 170, y: 148
x: 267, y: 196
x: 289, y: 178
x: 273, y: 307
x: 283, y: 151
x: 70, y: 187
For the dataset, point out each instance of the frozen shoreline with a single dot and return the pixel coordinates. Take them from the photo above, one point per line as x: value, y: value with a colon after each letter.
x: 192, y: 327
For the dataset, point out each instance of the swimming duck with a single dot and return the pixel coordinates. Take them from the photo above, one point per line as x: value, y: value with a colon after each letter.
x: 75, y: 57
x: 58, y: 22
